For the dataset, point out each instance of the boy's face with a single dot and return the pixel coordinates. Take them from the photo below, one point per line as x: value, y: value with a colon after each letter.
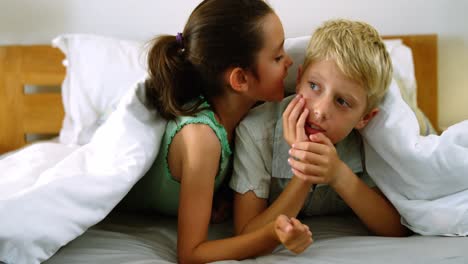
x: 336, y: 103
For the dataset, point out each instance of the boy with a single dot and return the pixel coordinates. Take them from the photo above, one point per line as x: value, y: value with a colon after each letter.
x: 345, y: 75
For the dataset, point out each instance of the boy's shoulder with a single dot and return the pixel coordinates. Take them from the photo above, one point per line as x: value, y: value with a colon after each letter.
x: 261, y: 120
x: 350, y: 151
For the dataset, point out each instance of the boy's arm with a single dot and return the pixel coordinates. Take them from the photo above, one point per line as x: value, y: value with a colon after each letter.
x: 317, y: 162
x: 251, y: 182
x: 370, y: 205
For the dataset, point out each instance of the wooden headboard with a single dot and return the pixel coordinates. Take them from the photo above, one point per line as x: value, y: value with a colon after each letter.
x: 424, y: 49
x: 42, y: 113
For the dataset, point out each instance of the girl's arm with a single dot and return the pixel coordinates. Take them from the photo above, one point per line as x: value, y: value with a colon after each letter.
x: 194, y: 156
x: 252, y: 212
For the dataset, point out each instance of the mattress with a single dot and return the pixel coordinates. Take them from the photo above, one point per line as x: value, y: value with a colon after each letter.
x: 142, y: 238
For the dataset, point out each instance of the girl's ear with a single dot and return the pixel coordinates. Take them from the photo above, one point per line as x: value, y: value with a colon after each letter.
x: 366, y: 118
x: 237, y: 79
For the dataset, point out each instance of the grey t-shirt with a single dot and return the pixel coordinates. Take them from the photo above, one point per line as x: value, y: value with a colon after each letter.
x: 260, y: 160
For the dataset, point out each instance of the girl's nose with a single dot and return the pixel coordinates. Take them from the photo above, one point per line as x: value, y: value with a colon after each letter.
x: 288, y: 61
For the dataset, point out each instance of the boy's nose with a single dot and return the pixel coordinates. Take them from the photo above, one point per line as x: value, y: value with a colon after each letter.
x: 320, y: 110
x: 319, y: 115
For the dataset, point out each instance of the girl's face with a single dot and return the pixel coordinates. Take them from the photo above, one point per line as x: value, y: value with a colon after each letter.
x: 272, y: 63
x: 336, y: 103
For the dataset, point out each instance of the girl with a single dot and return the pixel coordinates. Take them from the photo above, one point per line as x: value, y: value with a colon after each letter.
x: 204, y: 80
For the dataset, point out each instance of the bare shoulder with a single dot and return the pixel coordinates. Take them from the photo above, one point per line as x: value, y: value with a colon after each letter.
x: 197, y: 144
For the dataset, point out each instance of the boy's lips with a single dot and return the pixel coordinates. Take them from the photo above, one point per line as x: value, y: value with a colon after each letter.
x: 311, y: 128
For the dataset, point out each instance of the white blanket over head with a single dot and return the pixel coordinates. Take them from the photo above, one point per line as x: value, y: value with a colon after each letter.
x: 425, y: 177
x: 56, y: 200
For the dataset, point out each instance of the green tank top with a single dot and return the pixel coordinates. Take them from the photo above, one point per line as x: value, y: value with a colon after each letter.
x: 157, y: 190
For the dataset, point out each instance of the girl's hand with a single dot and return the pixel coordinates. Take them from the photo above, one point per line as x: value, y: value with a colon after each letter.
x: 316, y: 161
x: 294, y: 118
x: 294, y: 235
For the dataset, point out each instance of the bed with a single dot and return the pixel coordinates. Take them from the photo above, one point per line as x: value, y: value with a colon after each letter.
x: 142, y: 238
x: 42, y: 113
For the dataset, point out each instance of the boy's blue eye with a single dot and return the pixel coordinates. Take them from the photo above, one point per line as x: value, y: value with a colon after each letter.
x: 342, y: 102
x: 314, y: 86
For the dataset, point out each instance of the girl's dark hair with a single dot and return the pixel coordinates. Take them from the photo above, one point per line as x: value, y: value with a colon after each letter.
x: 218, y: 34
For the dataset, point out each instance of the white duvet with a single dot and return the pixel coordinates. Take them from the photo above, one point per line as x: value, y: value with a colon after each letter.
x: 50, y: 193
x: 425, y: 177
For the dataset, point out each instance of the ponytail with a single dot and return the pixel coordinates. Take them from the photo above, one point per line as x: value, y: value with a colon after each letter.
x: 173, y: 86
x: 218, y: 35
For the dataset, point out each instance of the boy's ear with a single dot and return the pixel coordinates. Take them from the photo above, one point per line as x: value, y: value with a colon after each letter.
x: 237, y: 78
x: 299, y: 75
x: 366, y: 118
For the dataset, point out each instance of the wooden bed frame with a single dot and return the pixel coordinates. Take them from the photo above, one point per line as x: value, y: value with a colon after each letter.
x: 42, y: 113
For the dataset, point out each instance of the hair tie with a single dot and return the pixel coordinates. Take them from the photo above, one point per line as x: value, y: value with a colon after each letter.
x: 180, y: 39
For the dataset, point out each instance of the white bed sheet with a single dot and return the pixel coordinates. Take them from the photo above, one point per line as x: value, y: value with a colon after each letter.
x: 137, y: 238
x: 132, y: 239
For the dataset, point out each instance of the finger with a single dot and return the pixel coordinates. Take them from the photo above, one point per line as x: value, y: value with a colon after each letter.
x: 301, y: 248
x: 300, y: 130
x: 303, y: 228
x: 306, y: 168
x: 295, y: 113
x: 296, y: 224
x: 308, y: 178
x: 303, y: 245
x: 284, y: 223
x: 316, y: 147
x: 321, y: 138
x: 300, y: 242
x: 298, y: 245
x: 291, y: 105
x: 289, y: 109
x: 287, y: 112
x: 307, y: 157
x: 290, y: 119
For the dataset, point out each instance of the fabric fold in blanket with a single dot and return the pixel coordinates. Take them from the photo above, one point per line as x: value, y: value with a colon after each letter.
x: 425, y: 177
x: 81, y: 189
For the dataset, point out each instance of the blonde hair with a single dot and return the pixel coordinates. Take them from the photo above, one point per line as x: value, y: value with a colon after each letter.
x: 359, y: 52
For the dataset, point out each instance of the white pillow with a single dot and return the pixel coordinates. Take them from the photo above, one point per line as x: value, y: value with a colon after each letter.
x: 99, y: 71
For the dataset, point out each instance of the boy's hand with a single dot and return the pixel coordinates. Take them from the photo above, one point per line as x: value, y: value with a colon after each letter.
x: 316, y: 161
x: 294, y: 235
x: 294, y: 118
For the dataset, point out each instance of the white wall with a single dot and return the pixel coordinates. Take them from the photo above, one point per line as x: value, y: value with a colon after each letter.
x: 38, y: 21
